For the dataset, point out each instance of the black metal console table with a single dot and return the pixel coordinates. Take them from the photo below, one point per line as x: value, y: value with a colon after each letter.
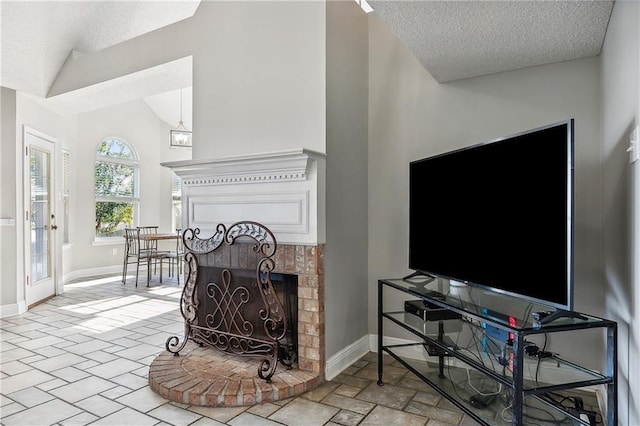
x: 511, y: 364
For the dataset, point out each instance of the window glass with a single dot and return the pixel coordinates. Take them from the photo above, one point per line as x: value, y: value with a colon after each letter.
x: 115, y: 148
x: 66, y: 195
x: 176, y: 201
x: 116, y: 188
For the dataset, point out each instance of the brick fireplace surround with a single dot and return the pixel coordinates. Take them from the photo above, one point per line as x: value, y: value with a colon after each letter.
x: 283, y: 191
x: 206, y: 377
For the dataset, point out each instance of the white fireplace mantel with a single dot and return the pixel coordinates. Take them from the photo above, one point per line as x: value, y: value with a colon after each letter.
x: 284, y: 190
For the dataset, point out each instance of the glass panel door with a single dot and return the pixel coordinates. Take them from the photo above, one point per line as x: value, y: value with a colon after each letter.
x: 40, y: 162
x: 39, y: 204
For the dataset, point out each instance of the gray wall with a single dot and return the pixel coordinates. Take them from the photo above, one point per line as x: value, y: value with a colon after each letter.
x: 346, y: 203
x: 621, y: 232
x: 411, y: 116
x: 8, y: 170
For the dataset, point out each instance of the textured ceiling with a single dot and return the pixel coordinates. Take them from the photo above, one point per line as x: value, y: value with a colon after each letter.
x: 461, y: 39
x: 452, y: 39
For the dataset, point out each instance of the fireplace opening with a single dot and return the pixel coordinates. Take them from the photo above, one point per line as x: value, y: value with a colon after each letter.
x: 241, y: 305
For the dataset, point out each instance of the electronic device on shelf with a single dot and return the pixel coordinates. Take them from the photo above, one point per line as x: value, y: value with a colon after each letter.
x: 482, y: 401
x: 494, y: 332
x: 495, y: 340
x: 428, y: 311
x: 490, y: 214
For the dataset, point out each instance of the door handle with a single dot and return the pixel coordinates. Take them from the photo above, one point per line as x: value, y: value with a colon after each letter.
x: 54, y: 227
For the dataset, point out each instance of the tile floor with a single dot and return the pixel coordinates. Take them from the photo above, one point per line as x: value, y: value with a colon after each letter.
x: 83, y: 358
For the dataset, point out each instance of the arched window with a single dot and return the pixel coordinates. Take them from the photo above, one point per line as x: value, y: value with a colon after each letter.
x: 116, y: 187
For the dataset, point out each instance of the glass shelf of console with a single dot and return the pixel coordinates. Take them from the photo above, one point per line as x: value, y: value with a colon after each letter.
x: 481, y: 304
x: 472, y: 344
x: 481, y: 395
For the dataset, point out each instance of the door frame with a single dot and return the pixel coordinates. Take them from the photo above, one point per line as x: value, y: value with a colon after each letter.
x: 56, y: 247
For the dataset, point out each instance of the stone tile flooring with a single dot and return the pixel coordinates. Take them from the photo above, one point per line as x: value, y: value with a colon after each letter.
x: 83, y: 358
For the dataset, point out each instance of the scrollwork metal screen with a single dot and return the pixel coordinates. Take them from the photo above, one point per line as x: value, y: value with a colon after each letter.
x: 229, y: 302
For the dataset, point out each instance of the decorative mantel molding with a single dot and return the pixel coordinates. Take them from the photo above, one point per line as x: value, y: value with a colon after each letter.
x: 284, y: 190
x: 254, y: 168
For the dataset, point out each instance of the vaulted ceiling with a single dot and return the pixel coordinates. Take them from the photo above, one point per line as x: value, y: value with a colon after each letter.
x: 452, y: 39
x: 37, y: 37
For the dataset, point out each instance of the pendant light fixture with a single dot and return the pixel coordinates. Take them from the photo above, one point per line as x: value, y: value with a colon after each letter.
x: 180, y: 136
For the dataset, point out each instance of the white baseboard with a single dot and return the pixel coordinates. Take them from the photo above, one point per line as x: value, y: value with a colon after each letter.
x: 81, y: 273
x: 347, y: 356
x: 13, y: 309
x: 20, y: 307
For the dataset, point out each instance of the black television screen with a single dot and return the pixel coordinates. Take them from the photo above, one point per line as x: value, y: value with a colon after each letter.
x: 498, y: 215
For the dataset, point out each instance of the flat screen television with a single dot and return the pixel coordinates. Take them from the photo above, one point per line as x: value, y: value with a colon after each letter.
x: 499, y: 215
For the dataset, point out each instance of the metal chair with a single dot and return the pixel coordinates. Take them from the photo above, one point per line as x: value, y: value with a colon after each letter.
x: 148, y: 229
x: 139, y: 251
x: 151, y: 246
x: 175, y: 258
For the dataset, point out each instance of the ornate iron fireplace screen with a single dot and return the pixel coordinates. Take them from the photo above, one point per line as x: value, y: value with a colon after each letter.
x: 228, y: 301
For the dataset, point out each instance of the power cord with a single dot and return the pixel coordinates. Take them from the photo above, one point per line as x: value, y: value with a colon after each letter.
x: 479, y: 392
x: 531, y: 349
x: 576, y: 408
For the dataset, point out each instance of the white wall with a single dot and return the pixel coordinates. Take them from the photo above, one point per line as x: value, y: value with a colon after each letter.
x: 34, y: 115
x: 80, y: 135
x: 411, y: 116
x: 258, y: 73
x: 620, y: 97
x: 25, y: 113
x: 136, y: 124
x: 258, y: 77
x: 258, y: 85
x: 258, y: 82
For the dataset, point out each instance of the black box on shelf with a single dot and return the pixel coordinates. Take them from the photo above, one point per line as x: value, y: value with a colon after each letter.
x: 428, y: 311
x: 434, y: 350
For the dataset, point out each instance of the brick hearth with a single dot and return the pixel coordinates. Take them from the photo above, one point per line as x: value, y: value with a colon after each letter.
x: 205, y: 376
